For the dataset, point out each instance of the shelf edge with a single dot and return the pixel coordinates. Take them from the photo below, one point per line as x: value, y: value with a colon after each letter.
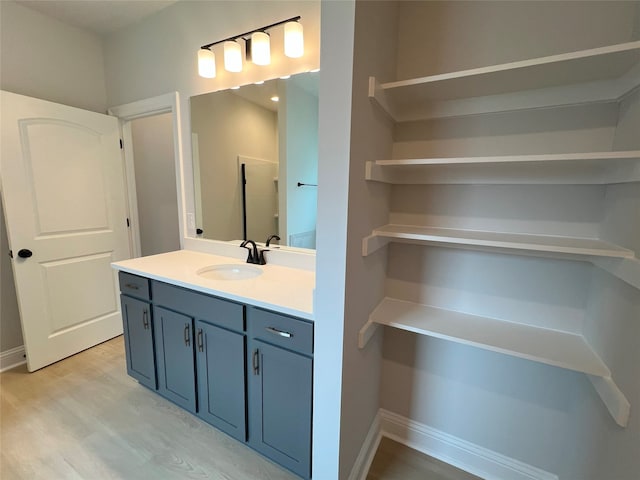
x: 630, y: 155
x: 503, y: 67
x: 367, y: 331
x: 373, y: 243
x: 370, y: 244
x: 615, y: 401
x: 379, y: 97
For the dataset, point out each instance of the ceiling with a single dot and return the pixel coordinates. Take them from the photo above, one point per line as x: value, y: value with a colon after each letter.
x: 98, y: 16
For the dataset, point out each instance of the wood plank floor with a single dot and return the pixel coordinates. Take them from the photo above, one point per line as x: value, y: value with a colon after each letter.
x: 84, y: 418
x: 394, y: 461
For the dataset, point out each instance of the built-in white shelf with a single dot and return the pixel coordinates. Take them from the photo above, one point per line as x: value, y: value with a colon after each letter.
x: 552, y: 347
x: 603, y: 74
x: 516, y: 243
x: 564, y: 168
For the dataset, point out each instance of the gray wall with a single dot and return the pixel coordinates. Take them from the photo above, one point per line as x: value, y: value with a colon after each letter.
x: 155, y: 172
x: 10, y: 331
x: 371, y: 137
x: 43, y: 58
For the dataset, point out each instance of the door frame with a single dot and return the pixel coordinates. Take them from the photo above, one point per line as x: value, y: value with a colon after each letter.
x: 126, y: 113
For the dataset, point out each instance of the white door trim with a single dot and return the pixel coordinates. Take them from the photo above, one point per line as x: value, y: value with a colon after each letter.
x: 167, y: 103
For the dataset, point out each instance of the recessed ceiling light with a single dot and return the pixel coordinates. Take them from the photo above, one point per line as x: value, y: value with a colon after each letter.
x: 275, y: 98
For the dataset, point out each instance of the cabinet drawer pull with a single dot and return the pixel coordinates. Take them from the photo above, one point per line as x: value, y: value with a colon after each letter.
x: 145, y: 319
x: 200, y: 341
x: 256, y: 362
x: 132, y: 286
x: 275, y: 331
x: 187, y: 335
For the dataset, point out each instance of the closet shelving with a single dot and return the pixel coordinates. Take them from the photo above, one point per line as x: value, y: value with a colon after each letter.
x: 553, y: 347
x: 602, y: 74
x: 595, y: 75
x: 590, y: 168
x: 504, y: 242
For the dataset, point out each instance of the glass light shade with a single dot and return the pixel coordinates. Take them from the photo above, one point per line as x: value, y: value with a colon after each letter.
x: 293, y: 40
x: 206, y: 63
x: 232, y: 56
x: 260, y: 48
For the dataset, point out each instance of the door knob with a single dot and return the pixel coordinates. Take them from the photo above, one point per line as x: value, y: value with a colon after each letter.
x: 25, y: 253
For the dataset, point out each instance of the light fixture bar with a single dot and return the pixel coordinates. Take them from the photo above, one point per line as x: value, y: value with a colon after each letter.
x: 261, y: 29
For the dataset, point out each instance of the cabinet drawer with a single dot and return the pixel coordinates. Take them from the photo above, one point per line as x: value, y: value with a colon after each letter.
x: 199, y: 305
x: 287, y: 332
x: 134, y: 286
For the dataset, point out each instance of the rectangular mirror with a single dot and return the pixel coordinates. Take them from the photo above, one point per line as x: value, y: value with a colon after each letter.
x: 255, y: 161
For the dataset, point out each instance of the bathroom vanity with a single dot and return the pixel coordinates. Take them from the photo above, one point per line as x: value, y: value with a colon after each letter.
x: 228, y: 342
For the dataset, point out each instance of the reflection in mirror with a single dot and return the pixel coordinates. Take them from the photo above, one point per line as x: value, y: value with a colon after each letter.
x: 255, y: 161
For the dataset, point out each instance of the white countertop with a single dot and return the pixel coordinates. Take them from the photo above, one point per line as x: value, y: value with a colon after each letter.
x: 282, y: 289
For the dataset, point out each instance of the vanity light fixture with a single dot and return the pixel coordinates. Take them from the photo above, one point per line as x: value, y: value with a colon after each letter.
x: 206, y: 63
x: 257, y: 48
x: 293, y: 40
x: 232, y: 56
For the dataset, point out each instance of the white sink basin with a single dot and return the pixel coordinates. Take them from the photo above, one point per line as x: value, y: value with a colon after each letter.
x: 230, y: 272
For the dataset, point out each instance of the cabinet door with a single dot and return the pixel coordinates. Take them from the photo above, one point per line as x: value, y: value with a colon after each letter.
x: 175, y: 352
x: 138, y: 341
x: 280, y: 398
x: 221, y: 378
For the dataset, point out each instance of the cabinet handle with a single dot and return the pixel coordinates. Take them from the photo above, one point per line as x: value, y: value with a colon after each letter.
x: 200, y: 341
x: 145, y: 319
x: 256, y: 362
x: 132, y: 286
x: 275, y: 331
x: 187, y: 335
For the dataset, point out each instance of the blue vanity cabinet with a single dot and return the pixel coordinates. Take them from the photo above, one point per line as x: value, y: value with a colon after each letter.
x: 201, y: 351
x: 244, y: 370
x: 220, y: 356
x: 138, y: 329
x: 174, y: 352
x: 280, y: 382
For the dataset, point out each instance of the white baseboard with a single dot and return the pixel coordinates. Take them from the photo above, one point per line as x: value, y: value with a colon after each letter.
x: 12, y: 358
x: 465, y: 455
x: 367, y: 452
x: 462, y: 454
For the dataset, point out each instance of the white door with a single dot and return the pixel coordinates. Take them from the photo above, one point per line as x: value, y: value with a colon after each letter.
x: 63, y: 192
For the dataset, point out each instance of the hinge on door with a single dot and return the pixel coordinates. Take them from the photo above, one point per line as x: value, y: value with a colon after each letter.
x: 128, y: 225
x: 121, y: 145
x: 11, y: 253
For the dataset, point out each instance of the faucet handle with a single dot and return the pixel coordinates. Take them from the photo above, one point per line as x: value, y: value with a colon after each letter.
x: 262, y: 260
